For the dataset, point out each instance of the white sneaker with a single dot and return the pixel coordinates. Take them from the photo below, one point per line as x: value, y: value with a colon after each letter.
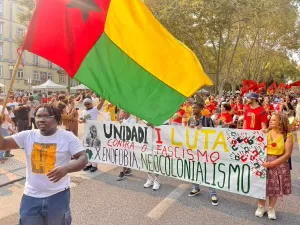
x: 271, y: 214
x: 156, y: 185
x: 148, y: 184
x: 260, y: 211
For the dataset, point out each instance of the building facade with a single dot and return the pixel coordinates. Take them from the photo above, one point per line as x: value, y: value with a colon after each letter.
x: 35, y: 70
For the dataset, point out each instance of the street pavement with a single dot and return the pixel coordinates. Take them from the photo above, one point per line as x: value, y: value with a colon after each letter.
x: 97, y: 198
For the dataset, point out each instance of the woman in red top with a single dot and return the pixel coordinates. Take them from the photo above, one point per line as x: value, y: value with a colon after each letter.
x: 177, y: 118
x: 238, y: 108
x: 268, y: 107
x: 232, y: 103
x: 224, y: 119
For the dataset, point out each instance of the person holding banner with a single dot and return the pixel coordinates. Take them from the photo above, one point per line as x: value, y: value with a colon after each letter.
x: 224, y: 119
x: 198, y: 121
x: 127, y: 118
x: 90, y: 113
x: 279, y: 149
x: 48, y: 152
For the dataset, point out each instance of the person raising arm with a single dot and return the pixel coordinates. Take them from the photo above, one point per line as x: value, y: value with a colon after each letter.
x: 48, y: 152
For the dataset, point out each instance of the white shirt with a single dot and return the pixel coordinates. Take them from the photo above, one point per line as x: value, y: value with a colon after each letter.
x: 13, y: 105
x: 32, y: 105
x: 131, y: 120
x: 5, y: 123
x: 91, y: 114
x: 44, y: 153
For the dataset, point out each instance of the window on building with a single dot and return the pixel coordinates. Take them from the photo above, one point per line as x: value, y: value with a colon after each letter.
x: 62, y: 79
x: 1, y: 71
x: 1, y: 9
x: 50, y: 64
x: 20, y: 32
x: 20, y: 74
x: 1, y: 50
x: 1, y: 28
x: 43, y: 76
x: 50, y: 76
x: 35, y: 60
x: 36, y: 75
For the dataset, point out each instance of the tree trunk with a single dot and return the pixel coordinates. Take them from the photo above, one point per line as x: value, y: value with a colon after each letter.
x: 220, y: 88
x: 233, y: 88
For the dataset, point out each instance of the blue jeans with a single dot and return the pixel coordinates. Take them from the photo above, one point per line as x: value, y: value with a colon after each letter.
x: 52, y: 210
x: 212, y: 191
x: 4, y: 133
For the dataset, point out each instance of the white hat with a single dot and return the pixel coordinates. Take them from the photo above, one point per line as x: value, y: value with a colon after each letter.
x: 87, y: 100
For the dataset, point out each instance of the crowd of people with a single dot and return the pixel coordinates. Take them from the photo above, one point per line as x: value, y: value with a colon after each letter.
x: 275, y: 115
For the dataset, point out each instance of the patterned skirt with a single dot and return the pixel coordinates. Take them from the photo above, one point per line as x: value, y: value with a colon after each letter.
x: 278, y: 179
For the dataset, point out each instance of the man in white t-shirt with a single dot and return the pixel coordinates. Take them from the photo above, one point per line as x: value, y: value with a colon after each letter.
x: 48, y: 152
x: 90, y: 113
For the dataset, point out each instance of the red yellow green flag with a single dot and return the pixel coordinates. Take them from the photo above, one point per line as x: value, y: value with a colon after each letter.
x: 119, y: 50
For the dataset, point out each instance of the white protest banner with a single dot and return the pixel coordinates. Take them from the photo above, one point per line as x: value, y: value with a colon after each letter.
x: 226, y: 159
x: 113, y: 143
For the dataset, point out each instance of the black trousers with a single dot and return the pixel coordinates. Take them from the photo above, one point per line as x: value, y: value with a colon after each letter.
x: 33, y: 122
x: 22, y: 125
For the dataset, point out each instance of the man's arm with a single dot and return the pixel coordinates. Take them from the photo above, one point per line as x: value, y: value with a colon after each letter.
x: 264, y: 126
x: 75, y: 165
x: 101, y: 102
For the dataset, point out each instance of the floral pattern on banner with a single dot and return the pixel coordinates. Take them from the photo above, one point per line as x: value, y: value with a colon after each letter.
x: 243, y: 149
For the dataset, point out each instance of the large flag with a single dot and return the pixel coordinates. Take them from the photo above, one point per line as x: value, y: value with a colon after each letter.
x: 118, y: 49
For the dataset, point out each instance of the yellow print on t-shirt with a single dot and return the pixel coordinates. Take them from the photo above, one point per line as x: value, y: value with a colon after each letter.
x: 43, y: 158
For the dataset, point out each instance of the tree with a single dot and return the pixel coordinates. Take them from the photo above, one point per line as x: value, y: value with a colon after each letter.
x: 235, y: 39
x: 25, y: 16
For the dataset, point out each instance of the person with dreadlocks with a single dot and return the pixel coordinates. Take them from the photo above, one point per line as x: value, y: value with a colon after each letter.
x: 48, y: 152
x: 279, y: 149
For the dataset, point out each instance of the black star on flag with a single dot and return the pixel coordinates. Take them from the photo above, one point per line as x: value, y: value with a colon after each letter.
x: 85, y: 6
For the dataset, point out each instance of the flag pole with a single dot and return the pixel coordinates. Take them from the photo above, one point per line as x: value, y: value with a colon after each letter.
x: 14, y: 73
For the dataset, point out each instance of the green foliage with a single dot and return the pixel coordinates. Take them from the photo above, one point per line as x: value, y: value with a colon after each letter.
x: 25, y: 16
x: 236, y: 39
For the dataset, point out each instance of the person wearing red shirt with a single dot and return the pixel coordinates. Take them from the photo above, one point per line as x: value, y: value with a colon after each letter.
x: 238, y: 107
x: 255, y: 116
x: 213, y: 101
x: 177, y: 118
x: 231, y: 103
x: 224, y: 119
x: 209, y: 109
x: 267, y: 106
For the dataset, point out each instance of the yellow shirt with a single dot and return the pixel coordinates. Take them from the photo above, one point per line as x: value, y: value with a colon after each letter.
x: 188, y: 111
x: 276, y: 147
x: 111, y: 110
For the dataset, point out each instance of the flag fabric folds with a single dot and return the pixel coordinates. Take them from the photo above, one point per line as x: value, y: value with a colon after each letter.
x: 272, y: 88
x: 119, y: 50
